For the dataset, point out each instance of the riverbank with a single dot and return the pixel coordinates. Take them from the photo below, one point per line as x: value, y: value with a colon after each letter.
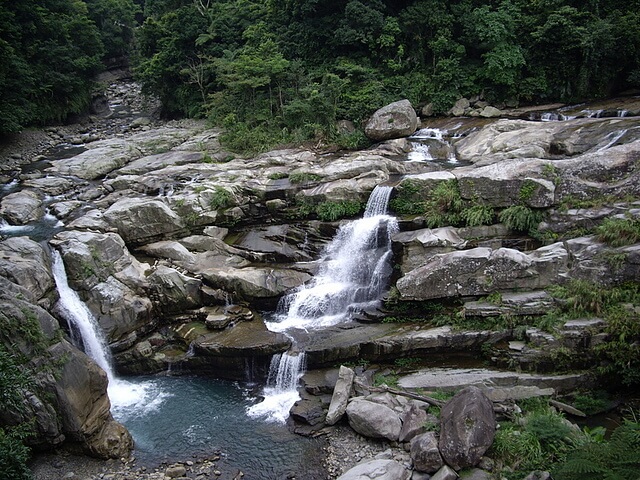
x: 341, y: 448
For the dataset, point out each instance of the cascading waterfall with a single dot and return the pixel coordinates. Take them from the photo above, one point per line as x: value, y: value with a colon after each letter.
x: 86, y: 332
x: 355, y: 272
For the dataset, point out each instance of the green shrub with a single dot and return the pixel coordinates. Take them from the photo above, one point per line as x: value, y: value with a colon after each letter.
x: 304, y: 177
x: 221, y: 198
x: 277, y: 175
x: 618, y: 232
x: 13, y: 456
x: 520, y: 218
x: 478, y: 215
x: 332, y: 211
x: 406, y: 199
x: 618, y: 459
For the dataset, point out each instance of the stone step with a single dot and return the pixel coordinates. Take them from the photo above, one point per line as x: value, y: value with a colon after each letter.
x: 502, y: 384
x: 527, y: 303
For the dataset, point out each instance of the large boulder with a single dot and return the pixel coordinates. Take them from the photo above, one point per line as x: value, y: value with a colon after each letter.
x: 467, y: 428
x: 108, y: 278
x: 414, y: 418
x: 481, y: 270
x: 379, y: 469
x: 81, y: 392
x: 373, y: 419
x: 255, y: 282
x: 395, y: 120
x: 25, y: 263
x: 142, y: 220
x: 65, y: 396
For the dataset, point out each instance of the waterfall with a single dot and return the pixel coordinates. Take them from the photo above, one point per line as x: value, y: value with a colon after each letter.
x: 354, y: 275
x: 356, y: 267
x: 86, y: 332
x: 281, y: 391
x: 81, y: 321
x: 614, y: 137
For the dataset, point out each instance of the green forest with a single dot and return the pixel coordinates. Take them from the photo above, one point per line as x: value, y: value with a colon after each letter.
x: 286, y: 70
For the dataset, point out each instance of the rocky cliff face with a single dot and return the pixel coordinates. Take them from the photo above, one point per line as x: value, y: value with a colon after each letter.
x: 176, y: 245
x: 64, y: 395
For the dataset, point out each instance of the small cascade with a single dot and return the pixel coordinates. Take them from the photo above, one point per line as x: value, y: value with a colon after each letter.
x: 281, y: 391
x: 614, y: 137
x: 419, y: 153
x: 86, y: 333
x: 354, y: 274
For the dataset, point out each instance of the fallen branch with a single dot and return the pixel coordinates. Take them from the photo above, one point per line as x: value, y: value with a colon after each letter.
x: 414, y: 396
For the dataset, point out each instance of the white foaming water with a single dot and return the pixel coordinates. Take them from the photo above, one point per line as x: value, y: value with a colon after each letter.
x: 354, y: 273
x: 429, y: 133
x: 419, y: 153
x: 80, y: 318
x: 614, y: 137
x: 281, y: 391
x: 125, y: 397
x: 14, y: 229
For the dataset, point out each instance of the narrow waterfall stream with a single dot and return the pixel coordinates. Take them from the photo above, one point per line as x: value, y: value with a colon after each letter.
x: 85, y: 332
x: 355, y: 272
x: 83, y: 326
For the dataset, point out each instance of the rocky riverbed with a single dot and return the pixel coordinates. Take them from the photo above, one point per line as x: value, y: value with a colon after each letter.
x: 180, y: 248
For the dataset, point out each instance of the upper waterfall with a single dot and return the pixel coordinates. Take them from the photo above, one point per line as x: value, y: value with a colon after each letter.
x: 356, y: 267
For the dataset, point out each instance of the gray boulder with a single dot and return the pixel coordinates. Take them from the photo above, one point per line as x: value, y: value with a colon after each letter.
x: 395, y: 120
x: 379, y: 469
x: 467, y: 428
x: 22, y: 207
x: 445, y: 473
x: 481, y: 270
x: 25, y: 263
x: 108, y: 278
x: 140, y: 220
x: 425, y: 454
x: 373, y: 419
x: 254, y: 282
x: 340, y: 396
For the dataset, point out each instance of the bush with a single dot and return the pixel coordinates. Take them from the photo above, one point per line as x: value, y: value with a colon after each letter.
x: 332, y: 211
x: 221, y: 198
x: 13, y: 456
x: 618, y: 232
x: 520, y: 218
x: 478, y: 215
x: 617, y: 459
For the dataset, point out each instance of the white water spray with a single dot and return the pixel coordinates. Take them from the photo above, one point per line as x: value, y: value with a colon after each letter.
x: 281, y: 391
x: 355, y: 272
x: 124, y: 395
x: 80, y: 319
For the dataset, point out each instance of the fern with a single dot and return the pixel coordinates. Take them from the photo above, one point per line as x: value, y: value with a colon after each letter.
x: 619, y: 459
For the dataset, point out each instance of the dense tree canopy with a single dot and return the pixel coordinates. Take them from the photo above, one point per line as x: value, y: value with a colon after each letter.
x: 301, y: 64
x: 50, y: 50
x: 295, y: 66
